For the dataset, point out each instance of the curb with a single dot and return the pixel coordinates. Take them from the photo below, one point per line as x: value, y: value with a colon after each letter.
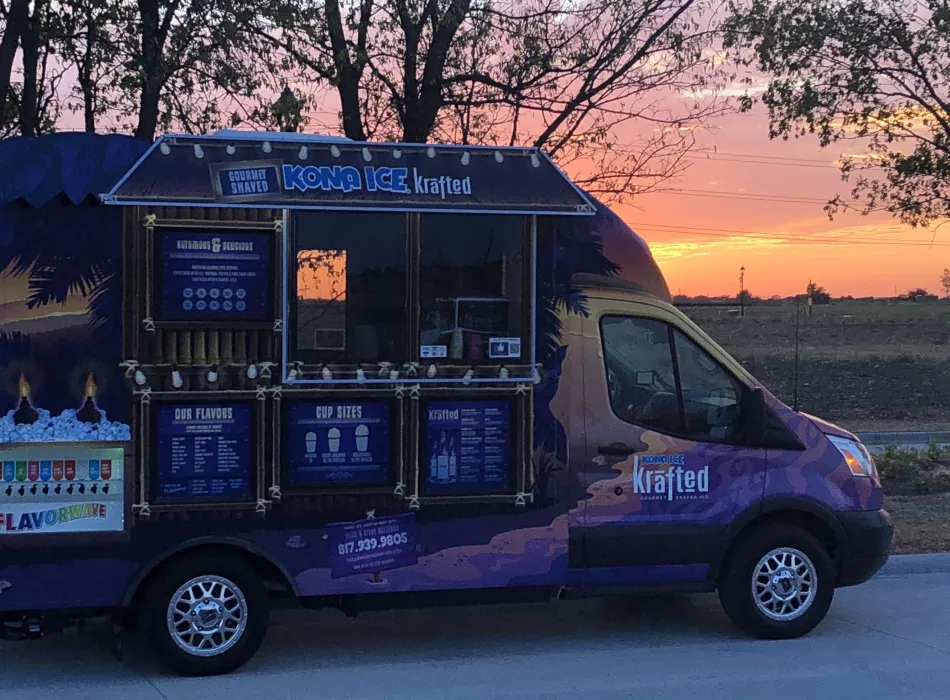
x: 906, y: 564
x: 898, y: 438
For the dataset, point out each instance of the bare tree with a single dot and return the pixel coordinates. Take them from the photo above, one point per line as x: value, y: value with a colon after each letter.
x: 86, y: 41
x: 183, y: 63
x: 576, y: 79
x: 15, y: 15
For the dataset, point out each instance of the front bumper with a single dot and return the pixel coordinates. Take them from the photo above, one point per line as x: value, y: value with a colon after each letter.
x: 869, y: 534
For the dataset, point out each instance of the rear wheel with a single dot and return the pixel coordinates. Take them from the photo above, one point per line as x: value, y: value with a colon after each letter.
x: 778, y: 582
x: 205, y: 615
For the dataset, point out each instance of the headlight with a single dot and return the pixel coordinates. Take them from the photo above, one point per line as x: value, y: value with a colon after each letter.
x: 856, y: 455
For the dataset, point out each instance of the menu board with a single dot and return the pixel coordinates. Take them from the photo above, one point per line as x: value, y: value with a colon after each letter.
x: 204, y: 452
x: 221, y: 275
x: 339, y: 442
x: 467, y: 446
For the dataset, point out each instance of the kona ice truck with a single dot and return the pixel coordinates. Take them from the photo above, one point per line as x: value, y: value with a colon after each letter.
x: 370, y: 376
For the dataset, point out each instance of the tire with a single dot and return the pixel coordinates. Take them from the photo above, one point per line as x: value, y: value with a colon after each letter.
x: 791, y: 600
x: 222, y: 612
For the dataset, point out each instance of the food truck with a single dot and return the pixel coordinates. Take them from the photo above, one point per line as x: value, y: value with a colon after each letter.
x: 376, y: 375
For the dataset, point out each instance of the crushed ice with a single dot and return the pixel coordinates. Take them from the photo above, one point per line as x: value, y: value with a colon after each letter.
x: 63, y: 428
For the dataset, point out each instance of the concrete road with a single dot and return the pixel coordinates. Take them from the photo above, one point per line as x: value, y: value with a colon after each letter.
x: 888, y: 639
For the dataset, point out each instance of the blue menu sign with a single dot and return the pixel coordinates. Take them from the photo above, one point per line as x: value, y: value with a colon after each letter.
x: 215, y: 276
x: 368, y: 546
x: 204, y: 451
x: 468, y: 446
x: 338, y: 442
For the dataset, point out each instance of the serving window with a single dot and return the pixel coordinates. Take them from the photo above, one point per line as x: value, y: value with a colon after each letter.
x: 350, y: 284
x: 393, y: 293
x: 473, y: 299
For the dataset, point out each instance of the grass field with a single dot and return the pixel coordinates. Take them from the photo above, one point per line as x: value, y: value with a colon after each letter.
x: 865, y: 365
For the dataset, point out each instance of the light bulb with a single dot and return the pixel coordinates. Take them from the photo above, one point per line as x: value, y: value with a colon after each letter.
x: 499, y: 158
x: 326, y: 374
x: 199, y: 153
x: 303, y: 153
x: 397, y: 154
x: 467, y: 379
x: 535, y: 161
x: 140, y: 377
x: 165, y: 148
x: 334, y: 151
x: 252, y: 371
x: 394, y: 373
x: 213, y: 374
x: 432, y: 371
x: 177, y: 381
x: 367, y: 156
x: 230, y: 149
x: 503, y: 372
x: 266, y: 147
x: 466, y: 158
x: 430, y: 151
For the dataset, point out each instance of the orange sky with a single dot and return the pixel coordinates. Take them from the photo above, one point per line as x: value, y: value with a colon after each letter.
x: 746, y: 161
x: 707, y: 261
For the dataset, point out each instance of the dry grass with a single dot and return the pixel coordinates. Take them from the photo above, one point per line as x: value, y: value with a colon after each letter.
x: 866, y: 365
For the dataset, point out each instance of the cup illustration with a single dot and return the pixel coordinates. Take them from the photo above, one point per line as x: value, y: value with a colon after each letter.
x: 333, y: 438
x: 311, y: 440
x: 362, y: 438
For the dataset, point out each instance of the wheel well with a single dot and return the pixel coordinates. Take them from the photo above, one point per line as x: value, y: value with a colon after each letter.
x: 273, y: 576
x: 809, y: 522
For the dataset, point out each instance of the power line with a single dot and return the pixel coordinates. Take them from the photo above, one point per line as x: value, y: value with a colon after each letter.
x: 817, y: 239
x: 741, y: 196
x: 753, y: 233
x: 766, y: 157
x: 749, y: 161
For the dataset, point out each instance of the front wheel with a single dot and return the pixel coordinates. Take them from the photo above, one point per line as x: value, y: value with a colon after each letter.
x: 205, y: 615
x: 777, y: 583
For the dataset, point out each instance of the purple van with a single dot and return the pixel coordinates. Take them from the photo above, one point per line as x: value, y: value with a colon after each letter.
x: 371, y: 376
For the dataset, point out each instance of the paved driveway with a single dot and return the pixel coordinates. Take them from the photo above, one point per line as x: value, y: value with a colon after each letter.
x: 887, y: 639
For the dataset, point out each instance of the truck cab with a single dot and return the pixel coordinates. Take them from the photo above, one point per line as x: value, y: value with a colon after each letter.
x: 697, y: 477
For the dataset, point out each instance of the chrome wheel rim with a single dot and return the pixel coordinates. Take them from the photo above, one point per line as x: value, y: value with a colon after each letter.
x: 784, y: 584
x: 207, y: 616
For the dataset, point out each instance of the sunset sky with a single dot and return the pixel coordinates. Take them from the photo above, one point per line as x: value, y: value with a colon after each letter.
x: 701, y: 237
x: 759, y: 204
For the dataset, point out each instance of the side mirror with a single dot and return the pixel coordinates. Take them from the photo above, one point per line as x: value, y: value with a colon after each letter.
x: 754, y: 416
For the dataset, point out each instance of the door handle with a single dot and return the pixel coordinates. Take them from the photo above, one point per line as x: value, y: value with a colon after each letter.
x: 617, y: 449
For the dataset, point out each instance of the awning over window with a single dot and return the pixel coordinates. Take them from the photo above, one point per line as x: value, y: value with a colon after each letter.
x: 298, y: 171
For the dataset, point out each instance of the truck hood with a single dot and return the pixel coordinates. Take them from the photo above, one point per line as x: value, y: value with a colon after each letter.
x: 830, y: 428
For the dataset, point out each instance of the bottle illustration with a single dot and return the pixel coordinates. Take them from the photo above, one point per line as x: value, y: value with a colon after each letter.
x: 443, y: 461
x: 453, y: 461
x: 362, y: 438
x: 434, y: 463
x: 311, y: 442
x: 333, y: 439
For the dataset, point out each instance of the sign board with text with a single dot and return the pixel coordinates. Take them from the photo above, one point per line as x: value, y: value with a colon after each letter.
x: 297, y: 174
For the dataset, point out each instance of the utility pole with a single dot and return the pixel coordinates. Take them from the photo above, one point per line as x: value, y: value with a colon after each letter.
x: 742, y: 291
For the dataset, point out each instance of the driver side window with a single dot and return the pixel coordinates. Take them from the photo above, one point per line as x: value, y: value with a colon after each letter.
x: 659, y: 379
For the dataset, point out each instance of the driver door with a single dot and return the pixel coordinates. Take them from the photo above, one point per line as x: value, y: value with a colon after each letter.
x: 665, y: 461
